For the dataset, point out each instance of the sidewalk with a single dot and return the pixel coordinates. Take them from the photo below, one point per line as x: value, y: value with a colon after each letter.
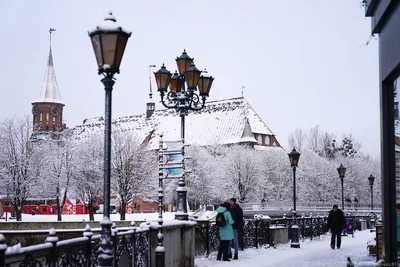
x: 312, y: 253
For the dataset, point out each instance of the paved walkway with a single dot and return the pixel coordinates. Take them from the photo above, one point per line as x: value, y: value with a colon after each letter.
x: 312, y: 253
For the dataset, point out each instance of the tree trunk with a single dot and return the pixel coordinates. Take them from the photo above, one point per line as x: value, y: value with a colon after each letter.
x: 90, y: 207
x: 59, y: 218
x: 123, y: 209
x: 18, y: 213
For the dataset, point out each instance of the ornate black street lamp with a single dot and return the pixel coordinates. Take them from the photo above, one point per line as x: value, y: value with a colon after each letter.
x: 371, y: 180
x: 183, y: 98
x: 109, y: 41
x: 294, y: 157
x: 342, y: 171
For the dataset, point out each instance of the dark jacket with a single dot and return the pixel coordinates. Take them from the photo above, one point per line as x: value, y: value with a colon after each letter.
x: 336, y: 221
x: 237, y: 216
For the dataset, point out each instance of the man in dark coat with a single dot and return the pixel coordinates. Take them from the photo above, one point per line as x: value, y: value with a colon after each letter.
x: 336, y: 223
x: 237, y: 216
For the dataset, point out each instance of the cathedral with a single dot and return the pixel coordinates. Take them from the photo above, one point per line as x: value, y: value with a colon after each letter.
x: 47, y: 108
x: 221, y: 122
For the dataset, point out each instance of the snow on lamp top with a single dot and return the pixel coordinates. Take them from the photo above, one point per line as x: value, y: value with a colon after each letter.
x: 109, y: 41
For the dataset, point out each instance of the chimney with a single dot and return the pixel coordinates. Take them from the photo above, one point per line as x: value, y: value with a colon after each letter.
x: 151, y: 106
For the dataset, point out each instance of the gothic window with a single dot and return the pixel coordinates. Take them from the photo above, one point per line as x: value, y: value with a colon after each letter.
x: 54, y: 119
x: 47, y: 116
x: 259, y: 139
x: 266, y: 140
x: 41, y: 116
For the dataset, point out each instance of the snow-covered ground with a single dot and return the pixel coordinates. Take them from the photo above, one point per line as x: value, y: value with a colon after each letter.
x: 97, y: 217
x: 312, y: 253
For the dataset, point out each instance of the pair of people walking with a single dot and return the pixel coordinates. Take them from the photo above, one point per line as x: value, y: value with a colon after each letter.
x: 336, y: 223
x: 233, y: 215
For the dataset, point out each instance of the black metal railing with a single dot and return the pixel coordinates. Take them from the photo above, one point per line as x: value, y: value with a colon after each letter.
x: 257, y: 232
x: 131, y: 247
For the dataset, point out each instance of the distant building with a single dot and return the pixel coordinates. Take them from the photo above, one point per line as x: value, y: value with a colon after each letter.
x: 47, y: 108
x: 222, y: 122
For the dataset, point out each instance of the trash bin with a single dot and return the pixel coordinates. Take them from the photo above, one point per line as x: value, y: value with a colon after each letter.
x: 349, y: 226
x: 363, y: 224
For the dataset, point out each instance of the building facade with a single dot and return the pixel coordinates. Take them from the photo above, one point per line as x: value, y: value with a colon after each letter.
x: 385, y: 22
x: 222, y: 122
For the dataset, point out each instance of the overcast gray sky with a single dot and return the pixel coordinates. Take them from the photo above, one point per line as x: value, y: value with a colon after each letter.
x: 303, y: 62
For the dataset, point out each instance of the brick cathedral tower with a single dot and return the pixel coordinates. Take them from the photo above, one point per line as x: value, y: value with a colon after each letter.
x: 47, y: 109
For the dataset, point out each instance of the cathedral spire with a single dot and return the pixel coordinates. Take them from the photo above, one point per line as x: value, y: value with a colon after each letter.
x: 47, y: 109
x: 49, y: 92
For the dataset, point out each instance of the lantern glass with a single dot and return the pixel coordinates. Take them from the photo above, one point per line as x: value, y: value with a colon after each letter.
x: 109, y: 45
x: 176, y: 83
x: 183, y: 62
x: 163, y: 77
x: 97, y: 50
x: 192, y: 76
x: 342, y: 171
x: 121, y: 44
x: 204, y: 85
x: 294, y: 157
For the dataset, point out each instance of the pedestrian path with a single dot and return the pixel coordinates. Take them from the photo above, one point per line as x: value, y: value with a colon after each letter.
x: 312, y: 253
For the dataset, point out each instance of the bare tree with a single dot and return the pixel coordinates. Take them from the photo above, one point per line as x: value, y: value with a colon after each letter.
x: 57, y: 177
x: 133, y: 168
x: 242, y: 171
x: 88, y: 176
x: 297, y: 139
x: 20, y: 162
x: 315, y: 140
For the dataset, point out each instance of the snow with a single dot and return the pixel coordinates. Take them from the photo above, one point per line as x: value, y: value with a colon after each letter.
x: 311, y: 253
x: 97, y: 217
x: 220, y: 122
x: 49, y: 91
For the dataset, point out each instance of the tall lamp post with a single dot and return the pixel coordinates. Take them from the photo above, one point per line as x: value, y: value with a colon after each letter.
x: 342, y: 171
x: 109, y: 41
x: 294, y: 157
x: 183, y: 98
x: 371, y: 180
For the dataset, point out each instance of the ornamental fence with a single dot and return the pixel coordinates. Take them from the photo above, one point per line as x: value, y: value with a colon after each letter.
x: 132, y: 245
x: 257, y: 232
x: 130, y: 248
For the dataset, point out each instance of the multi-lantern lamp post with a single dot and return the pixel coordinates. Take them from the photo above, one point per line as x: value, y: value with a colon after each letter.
x: 183, y: 98
x: 342, y: 171
x: 109, y: 41
x: 371, y: 180
x: 294, y: 157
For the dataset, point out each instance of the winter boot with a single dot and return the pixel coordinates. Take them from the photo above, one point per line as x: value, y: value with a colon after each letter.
x: 235, y: 257
x: 227, y: 259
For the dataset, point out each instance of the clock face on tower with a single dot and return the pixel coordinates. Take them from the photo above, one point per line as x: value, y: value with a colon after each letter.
x: 34, y: 109
x: 54, y: 110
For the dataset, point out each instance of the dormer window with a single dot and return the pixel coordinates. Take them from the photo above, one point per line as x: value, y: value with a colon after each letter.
x: 259, y: 139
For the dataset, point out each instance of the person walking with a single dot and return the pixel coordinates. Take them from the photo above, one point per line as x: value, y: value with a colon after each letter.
x: 336, y: 223
x: 225, y: 231
x: 237, y: 216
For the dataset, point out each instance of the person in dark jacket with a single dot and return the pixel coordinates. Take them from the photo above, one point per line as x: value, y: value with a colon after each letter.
x: 225, y: 232
x: 237, y: 216
x: 336, y: 223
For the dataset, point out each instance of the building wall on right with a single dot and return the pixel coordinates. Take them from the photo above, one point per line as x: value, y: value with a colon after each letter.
x: 386, y: 22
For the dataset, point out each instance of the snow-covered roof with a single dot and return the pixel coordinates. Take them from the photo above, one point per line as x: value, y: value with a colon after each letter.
x: 219, y: 122
x: 49, y: 91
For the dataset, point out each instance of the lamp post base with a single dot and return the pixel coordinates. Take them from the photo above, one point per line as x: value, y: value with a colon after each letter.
x: 105, y: 257
x: 294, y: 236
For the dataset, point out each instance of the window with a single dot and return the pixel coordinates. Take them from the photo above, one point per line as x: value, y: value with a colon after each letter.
x: 47, y: 116
x: 41, y: 117
x: 259, y: 139
x: 267, y: 141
